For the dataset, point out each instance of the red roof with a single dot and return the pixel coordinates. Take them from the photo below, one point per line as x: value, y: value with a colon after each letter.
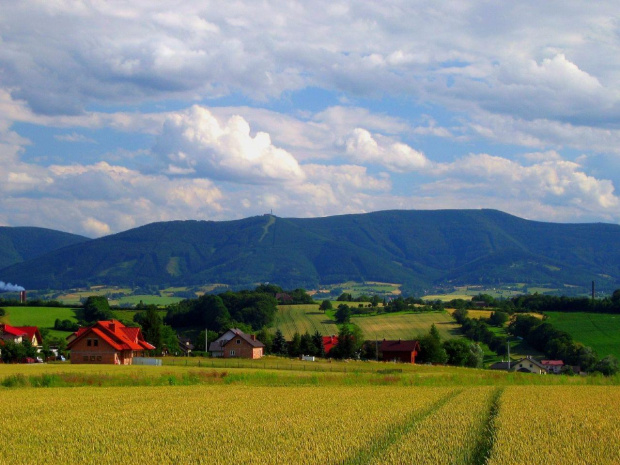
x: 399, y: 346
x: 552, y: 362
x: 329, y: 342
x: 116, y: 334
x: 29, y: 331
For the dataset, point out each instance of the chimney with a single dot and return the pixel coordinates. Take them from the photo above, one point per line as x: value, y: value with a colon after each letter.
x: 22, y: 297
x: 253, y: 336
x: 112, y: 327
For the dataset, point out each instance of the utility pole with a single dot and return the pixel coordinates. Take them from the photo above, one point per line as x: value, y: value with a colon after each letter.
x: 206, y: 341
x: 508, y: 341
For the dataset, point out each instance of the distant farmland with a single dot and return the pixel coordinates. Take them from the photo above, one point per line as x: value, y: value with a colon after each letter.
x: 302, y: 318
x: 601, y: 331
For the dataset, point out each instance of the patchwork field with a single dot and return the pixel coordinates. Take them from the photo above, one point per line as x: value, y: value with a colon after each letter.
x: 601, y: 331
x: 302, y: 318
x: 469, y: 417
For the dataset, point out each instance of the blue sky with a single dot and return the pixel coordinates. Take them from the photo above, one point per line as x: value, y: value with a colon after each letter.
x: 117, y: 114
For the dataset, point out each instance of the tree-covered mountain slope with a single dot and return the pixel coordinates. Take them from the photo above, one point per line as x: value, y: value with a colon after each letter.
x: 25, y: 243
x: 416, y: 248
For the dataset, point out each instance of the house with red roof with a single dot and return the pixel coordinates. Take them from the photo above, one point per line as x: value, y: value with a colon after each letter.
x: 108, y: 342
x: 18, y: 334
x: 553, y: 366
x: 400, y: 351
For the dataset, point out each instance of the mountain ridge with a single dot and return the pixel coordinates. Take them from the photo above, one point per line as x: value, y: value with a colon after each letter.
x: 417, y: 248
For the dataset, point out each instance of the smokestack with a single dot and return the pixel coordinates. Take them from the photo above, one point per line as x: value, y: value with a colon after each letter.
x: 22, y: 297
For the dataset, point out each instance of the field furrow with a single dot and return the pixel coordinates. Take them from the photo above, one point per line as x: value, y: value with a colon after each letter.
x: 558, y: 424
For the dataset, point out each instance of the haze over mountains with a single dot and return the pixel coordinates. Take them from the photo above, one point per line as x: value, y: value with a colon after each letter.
x: 416, y: 248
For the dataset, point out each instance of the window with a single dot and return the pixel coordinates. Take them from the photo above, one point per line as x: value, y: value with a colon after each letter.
x: 98, y: 358
x: 238, y: 341
x: 86, y: 358
x: 89, y: 342
x: 96, y: 342
x: 92, y: 357
x: 232, y: 353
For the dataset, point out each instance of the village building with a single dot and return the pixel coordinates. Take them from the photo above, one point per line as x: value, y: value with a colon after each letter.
x: 529, y: 365
x: 553, y: 366
x: 109, y: 342
x: 234, y: 343
x: 19, y: 334
x: 401, y: 351
x: 505, y: 366
x: 329, y: 342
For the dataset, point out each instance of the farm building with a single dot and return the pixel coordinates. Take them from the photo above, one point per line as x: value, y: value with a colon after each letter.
x: 553, y: 366
x: 505, y: 366
x: 234, y: 343
x: 108, y: 342
x: 18, y: 334
x: 402, y: 351
x: 329, y: 342
x: 529, y: 365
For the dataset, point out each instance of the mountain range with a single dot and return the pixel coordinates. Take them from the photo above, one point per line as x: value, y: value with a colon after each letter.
x: 417, y: 248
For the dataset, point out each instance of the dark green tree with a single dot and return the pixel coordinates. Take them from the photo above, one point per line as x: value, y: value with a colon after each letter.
x: 325, y: 305
x: 279, y: 343
x: 306, y: 346
x: 343, y: 314
x: 498, y: 318
x: 350, y: 340
x: 152, y: 326
x: 266, y: 338
x: 96, y: 308
x: 294, y: 347
x: 458, y: 351
x: 608, y: 366
x: 431, y: 350
x: 317, y: 340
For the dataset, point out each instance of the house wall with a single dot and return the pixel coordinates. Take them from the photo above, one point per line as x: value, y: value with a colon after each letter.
x: 405, y: 357
x: 81, y: 352
x: 529, y: 366
x: 241, y: 350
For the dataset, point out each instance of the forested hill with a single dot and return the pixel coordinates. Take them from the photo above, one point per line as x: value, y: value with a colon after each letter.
x: 417, y: 248
x: 25, y: 243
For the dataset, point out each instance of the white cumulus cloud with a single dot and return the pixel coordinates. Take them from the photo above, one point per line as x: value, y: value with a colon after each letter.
x: 196, y: 140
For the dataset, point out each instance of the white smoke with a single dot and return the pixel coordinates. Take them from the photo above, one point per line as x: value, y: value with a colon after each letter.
x: 8, y: 287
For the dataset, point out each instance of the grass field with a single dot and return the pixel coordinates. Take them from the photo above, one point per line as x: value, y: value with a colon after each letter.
x: 302, y: 318
x: 600, y: 331
x: 43, y: 317
x: 452, y: 416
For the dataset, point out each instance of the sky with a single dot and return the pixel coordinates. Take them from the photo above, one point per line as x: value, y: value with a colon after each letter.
x: 118, y: 114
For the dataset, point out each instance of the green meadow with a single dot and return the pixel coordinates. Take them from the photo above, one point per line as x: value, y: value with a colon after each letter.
x: 601, y: 331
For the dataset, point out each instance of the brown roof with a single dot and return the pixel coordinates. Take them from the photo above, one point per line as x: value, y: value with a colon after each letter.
x: 247, y: 338
x: 399, y: 346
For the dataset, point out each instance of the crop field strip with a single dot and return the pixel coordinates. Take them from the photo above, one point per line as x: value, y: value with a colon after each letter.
x: 559, y: 424
x: 194, y: 424
x: 302, y: 318
x: 313, y: 424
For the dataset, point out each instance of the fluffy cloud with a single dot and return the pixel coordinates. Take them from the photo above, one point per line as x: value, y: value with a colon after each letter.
x: 196, y: 140
x: 363, y: 147
x: 550, y: 180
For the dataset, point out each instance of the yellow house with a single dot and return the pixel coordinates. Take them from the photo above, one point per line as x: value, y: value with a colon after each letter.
x: 529, y: 365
